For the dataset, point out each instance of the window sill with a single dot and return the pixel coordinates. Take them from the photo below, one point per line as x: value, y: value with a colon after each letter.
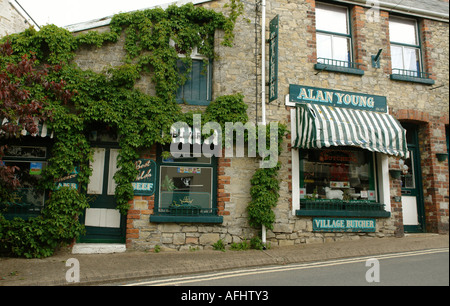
x: 404, y: 78
x: 186, y: 219
x: 341, y: 213
x: 336, y: 208
x: 193, y: 102
x: 340, y: 69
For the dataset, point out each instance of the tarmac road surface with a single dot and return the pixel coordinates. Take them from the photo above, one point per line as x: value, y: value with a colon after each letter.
x: 416, y: 268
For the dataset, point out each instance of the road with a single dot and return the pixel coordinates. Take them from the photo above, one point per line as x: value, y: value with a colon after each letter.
x: 418, y: 268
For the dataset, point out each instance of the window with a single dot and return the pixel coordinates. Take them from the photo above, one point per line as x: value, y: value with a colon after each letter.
x: 339, y: 182
x: 197, y: 89
x: 186, y: 189
x: 405, y: 47
x: 30, y: 158
x: 337, y: 174
x: 333, y: 37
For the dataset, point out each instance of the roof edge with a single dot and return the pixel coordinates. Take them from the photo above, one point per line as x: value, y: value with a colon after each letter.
x: 402, y: 9
x: 92, y: 24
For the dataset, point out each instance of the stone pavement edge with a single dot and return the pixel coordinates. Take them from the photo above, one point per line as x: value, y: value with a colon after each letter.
x: 98, y: 269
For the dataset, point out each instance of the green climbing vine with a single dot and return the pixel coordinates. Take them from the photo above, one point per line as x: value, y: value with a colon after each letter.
x: 110, y: 99
x: 264, y: 188
x: 153, y: 40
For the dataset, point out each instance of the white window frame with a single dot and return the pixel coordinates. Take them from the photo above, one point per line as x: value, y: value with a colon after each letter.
x: 347, y: 35
x: 404, y: 46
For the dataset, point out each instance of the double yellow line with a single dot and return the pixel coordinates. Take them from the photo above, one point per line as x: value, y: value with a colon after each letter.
x: 254, y: 271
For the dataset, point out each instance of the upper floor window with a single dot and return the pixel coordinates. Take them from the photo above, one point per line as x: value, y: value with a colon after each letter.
x: 405, y: 47
x: 333, y: 37
x: 197, y: 88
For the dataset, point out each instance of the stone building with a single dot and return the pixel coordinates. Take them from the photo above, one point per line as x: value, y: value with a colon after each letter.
x: 11, y: 19
x: 363, y: 89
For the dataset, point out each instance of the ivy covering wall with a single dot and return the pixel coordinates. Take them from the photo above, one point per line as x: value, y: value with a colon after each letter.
x: 109, y: 98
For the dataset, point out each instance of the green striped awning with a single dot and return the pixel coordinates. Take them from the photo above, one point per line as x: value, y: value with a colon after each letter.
x: 321, y: 126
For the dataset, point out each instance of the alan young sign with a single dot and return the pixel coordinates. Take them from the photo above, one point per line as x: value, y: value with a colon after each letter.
x: 337, y: 98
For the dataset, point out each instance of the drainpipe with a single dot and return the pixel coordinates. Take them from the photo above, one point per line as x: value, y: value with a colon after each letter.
x: 263, y: 84
x: 263, y: 62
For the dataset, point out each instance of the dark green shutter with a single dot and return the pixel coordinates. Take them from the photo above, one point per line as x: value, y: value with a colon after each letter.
x: 196, y: 90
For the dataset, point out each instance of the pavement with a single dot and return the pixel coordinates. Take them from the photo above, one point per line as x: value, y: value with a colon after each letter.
x: 103, y: 269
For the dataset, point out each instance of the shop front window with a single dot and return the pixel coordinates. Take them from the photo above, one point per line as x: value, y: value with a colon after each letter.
x: 29, y: 160
x: 337, y: 175
x: 186, y: 185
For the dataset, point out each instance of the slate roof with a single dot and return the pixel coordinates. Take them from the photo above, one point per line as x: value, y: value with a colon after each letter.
x: 437, y: 6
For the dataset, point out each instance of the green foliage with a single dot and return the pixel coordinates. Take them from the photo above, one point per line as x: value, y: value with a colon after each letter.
x: 110, y: 99
x: 230, y: 108
x: 40, y: 236
x: 264, y: 189
x: 241, y: 246
x: 219, y: 245
x: 257, y: 244
x: 264, y: 193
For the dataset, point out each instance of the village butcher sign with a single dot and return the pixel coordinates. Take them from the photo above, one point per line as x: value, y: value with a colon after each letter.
x: 144, y: 184
x: 337, y: 98
x: 343, y: 225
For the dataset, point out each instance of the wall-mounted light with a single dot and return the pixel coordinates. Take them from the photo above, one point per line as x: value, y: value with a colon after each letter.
x: 376, y: 59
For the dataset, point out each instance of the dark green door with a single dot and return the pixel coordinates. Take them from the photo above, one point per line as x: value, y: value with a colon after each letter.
x: 103, y: 222
x: 412, y: 190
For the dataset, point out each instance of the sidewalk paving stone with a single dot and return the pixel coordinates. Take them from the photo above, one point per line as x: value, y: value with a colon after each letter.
x: 129, y: 265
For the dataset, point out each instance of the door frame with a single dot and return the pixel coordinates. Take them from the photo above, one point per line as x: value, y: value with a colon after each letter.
x: 413, y: 145
x: 104, y: 234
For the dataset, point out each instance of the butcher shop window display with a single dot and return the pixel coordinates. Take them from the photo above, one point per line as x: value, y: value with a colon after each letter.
x: 343, y: 174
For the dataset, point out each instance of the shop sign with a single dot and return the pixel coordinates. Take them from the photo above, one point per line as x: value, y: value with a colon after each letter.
x: 337, y: 98
x: 70, y: 180
x: 273, y: 59
x: 35, y: 168
x: 144, y: 184
x: 343, y: 225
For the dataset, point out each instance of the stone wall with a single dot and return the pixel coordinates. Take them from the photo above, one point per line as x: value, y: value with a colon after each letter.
x: 235, y: 70
x: 10, y: 20
x: 297, y: 56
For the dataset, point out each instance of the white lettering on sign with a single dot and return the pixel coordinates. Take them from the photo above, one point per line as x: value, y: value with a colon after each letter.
x: 342, y: 98
x: 142, y: 186
x: 343, y: 224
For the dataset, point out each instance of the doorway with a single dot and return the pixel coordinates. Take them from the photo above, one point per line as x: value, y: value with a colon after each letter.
x: 412, y: 190
x: 103, y: 222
